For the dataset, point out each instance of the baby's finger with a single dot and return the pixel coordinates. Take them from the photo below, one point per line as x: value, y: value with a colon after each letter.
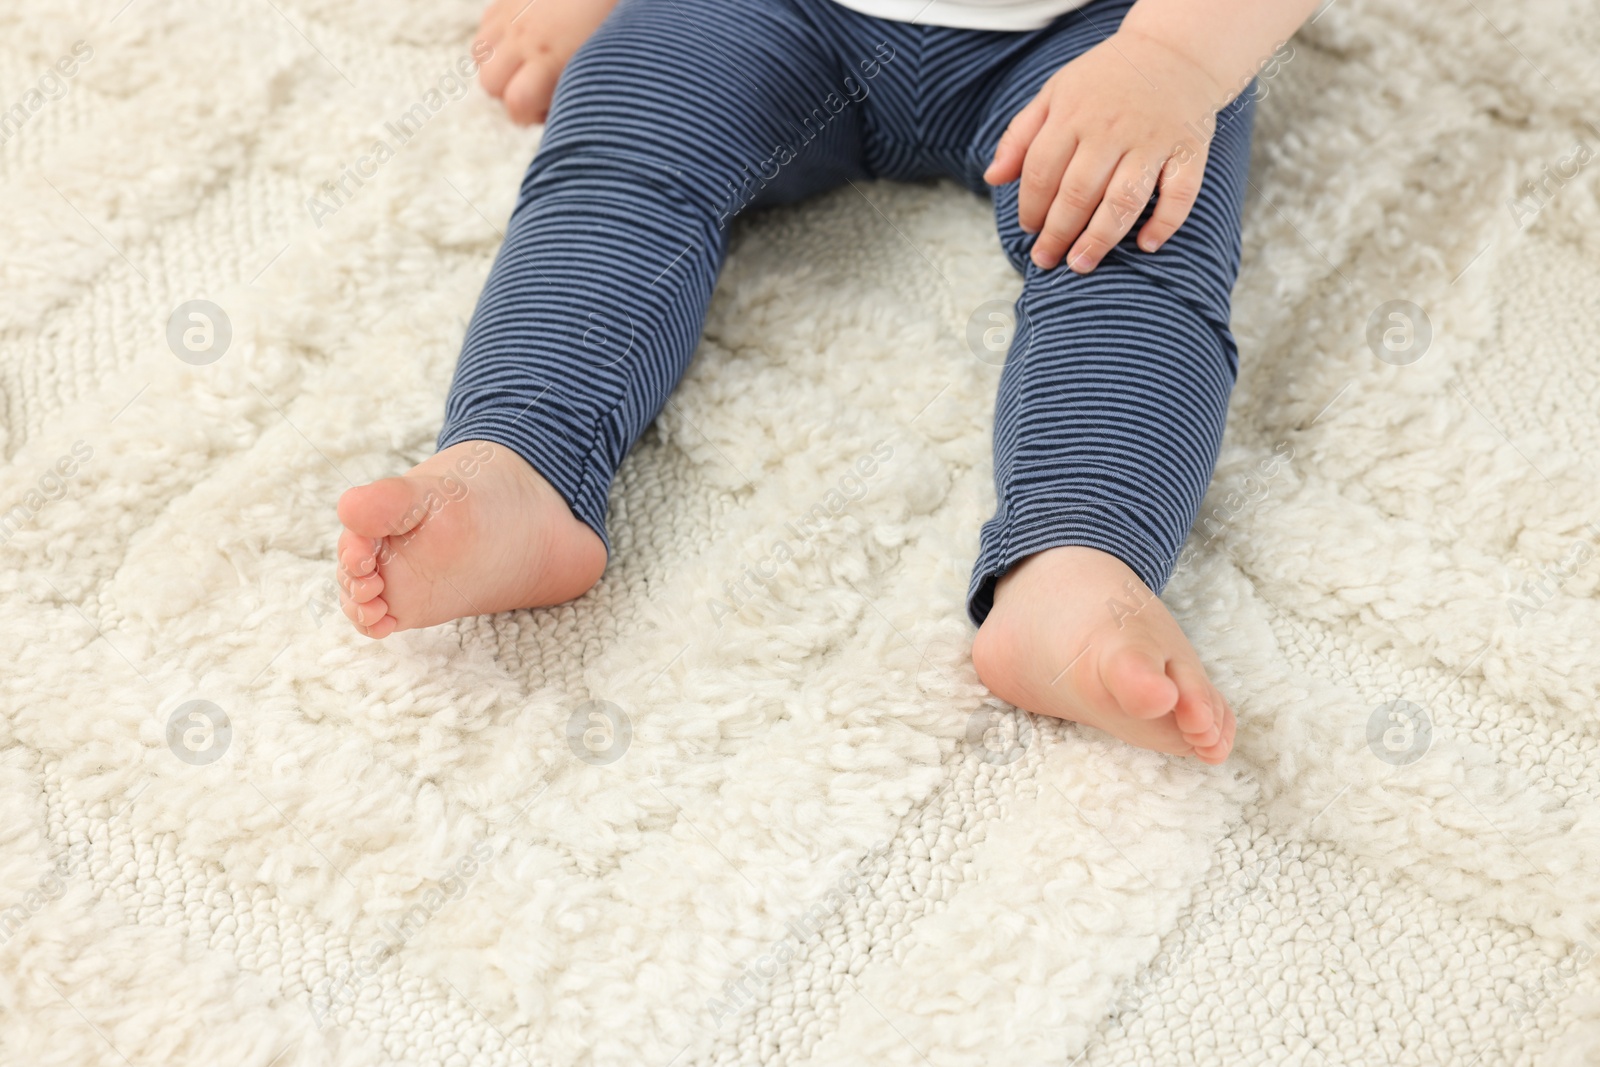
x: 1049, y: 155
x: 1180, y: 186
x: 1080, y: 192
x: 529, y: 94
x: 1013, y: 146
x: 1126, y: 196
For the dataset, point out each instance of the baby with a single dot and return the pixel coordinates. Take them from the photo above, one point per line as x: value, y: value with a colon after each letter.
x: 1114, y: 138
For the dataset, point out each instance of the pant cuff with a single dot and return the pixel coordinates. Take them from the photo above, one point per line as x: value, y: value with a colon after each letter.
x: 1012, y: 536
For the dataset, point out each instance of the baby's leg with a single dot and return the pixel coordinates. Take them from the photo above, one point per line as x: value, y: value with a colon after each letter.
x: 665, y: 124
x: 1107, y: 427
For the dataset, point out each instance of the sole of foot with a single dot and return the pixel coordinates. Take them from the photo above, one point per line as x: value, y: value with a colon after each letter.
x: 1076, y: 635
x: 472, y: 530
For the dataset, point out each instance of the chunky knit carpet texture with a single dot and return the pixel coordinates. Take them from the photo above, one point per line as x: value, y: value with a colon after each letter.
x: 683, y: 823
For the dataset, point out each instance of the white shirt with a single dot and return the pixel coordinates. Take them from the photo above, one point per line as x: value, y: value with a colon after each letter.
x: 968, y: 14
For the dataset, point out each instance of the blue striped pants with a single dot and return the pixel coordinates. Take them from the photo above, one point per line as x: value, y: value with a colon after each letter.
x: 679, y: 114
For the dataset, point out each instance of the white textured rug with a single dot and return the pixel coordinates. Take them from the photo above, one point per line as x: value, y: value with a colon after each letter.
x: 784, y: 846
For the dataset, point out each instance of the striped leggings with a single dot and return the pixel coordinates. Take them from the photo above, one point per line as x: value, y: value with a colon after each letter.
x: 679, y: 114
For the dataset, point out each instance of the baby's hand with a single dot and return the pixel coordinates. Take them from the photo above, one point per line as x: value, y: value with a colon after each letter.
x: 532, y: 41
x: 1106, y: 129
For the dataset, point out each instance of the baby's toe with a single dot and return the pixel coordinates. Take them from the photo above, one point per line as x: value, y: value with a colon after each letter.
x: 358, y: 556
x: 1134, y: 677
x: 1230, y: 723
x: 364, y: 614
x: 1216, y: 749
x: 1215, y: 753
x: 362, y: 590
x: 1193, y: 714
x: 527, y: 95
x: 382, y: 628
x: 497, y: 72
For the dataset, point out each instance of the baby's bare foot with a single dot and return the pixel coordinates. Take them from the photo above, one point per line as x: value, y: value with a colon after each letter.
x: 1075, y: 634
x: 472, y: 530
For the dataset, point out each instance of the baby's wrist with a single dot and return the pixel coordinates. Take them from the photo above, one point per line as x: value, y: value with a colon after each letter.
x: 1159, y: 37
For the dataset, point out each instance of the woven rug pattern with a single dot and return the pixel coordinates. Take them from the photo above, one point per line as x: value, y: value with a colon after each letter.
x: 732, y: 810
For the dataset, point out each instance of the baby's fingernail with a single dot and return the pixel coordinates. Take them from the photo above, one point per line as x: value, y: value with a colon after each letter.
x: 1083, y: 262
x: 1149, y: 244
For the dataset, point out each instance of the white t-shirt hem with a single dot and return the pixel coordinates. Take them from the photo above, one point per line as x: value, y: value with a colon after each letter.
x: 1003, y: 15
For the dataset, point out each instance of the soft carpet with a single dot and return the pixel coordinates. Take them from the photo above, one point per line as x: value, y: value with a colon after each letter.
x: 732, y: 808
